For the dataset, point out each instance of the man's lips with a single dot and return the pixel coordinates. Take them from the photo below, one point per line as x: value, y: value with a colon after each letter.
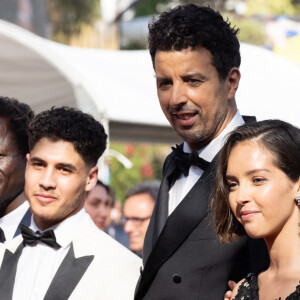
x: 185, y: 118
x: 45, y: 197
x: 248, y: 214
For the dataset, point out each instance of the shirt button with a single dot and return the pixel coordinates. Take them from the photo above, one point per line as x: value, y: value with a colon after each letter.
x: 177, y: 278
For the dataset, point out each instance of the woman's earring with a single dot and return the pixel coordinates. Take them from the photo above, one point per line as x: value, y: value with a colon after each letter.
x: 297, y: 199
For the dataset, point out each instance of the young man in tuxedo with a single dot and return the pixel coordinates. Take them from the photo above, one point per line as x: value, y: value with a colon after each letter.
x: 196, y: 58
x: 14, y: 209
x: 63, y: 255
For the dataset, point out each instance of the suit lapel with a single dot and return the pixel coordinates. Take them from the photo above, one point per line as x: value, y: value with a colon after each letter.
x: 163, y: 206
x: 160, y: 212
x: 68, y: 275
x: 8, y: 272
x: 182, y: 222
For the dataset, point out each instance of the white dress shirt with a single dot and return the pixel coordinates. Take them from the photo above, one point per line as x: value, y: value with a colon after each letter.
x: 38, y: 264
x: 10, y: 222
x: 184, y: 184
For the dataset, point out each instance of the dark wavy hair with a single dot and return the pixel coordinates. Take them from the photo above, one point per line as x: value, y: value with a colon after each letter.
x: 191, y: 26
x: 71, y: 125
x: 280, y: 139
x: 19, y: 115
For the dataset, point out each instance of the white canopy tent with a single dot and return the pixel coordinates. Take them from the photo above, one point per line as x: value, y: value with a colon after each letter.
x: 118, y: 87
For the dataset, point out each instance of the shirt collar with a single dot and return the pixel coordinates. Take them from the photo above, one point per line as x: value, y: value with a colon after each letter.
x: 64, y: 231
x: 10, y: 222
x: 209, y: 151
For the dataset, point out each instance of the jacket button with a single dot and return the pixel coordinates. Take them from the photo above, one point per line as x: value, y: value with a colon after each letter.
x: 177, y: 278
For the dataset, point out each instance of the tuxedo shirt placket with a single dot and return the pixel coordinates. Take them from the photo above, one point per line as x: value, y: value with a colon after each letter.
x: 38, y: 264
x: 184, y: 184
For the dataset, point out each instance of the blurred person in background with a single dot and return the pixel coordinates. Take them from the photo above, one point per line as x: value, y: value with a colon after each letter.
x: 97, y: 204
x: 100, y: 204
x: 115, y: 226
x: 14, y: 209
x: 138, y: 207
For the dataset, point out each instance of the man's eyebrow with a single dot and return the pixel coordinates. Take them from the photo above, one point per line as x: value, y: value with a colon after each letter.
x: 185, y: 76
x: 194, y: 74
x: 160, y: 78
x: 61, y: 165
x: 36, y: 159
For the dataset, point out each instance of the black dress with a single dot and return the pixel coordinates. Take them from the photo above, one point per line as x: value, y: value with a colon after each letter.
x: 248, y: 290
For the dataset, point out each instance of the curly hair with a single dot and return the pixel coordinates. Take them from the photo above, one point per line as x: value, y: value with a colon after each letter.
x: 191, y: 26
x: 71, y: 125
x: 280, y: 139
x: 19, y: 115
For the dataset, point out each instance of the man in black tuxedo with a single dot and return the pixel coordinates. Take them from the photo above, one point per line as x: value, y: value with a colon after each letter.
x: 14, y: 209
x: 196, y: 58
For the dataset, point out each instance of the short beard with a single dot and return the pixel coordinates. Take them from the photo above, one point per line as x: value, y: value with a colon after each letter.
x: 195, y: 138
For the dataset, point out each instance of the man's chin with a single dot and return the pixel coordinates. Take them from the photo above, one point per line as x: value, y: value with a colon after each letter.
x: 190, y: 136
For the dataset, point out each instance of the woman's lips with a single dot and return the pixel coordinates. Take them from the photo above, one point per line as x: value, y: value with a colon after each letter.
x: 248, y: 214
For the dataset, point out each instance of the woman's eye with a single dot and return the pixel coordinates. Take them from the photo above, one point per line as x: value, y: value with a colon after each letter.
x: 231, y: 185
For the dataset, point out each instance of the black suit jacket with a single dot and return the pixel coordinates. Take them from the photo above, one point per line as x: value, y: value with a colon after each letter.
x: 183, y: 258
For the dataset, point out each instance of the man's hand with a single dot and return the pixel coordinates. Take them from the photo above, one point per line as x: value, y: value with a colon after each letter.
x: 228, y: 294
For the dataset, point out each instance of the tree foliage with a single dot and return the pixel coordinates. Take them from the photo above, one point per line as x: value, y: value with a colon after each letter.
x: 69, y: 16
x: 273, y: 8
x: 147, y: 160
x: 149, y: 7
x: 251, y: 30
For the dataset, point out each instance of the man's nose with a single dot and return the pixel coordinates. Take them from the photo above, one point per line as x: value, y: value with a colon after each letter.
x: 47, y: 179
x: 103, y: 210
x: 128, y: 226
x: 178, y: 95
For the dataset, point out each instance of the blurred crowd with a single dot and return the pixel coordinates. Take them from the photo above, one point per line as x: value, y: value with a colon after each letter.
x: 126, y: 223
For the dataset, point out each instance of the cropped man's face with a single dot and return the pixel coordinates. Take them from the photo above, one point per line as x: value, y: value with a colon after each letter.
x: 56, y: 180
x: 137, y: 212
x: 12, y: 166
x: 195, y: 101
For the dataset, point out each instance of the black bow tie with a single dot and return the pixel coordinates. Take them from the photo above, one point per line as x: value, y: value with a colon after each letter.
x: 184, y: 160
x: 2, y: 236
x: 30, y: 237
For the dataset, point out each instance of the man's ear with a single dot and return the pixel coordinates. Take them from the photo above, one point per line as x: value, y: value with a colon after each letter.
x: 91, y: 179
x: 27, y: 158
x: 298, y: 187
x: 233, y: 79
